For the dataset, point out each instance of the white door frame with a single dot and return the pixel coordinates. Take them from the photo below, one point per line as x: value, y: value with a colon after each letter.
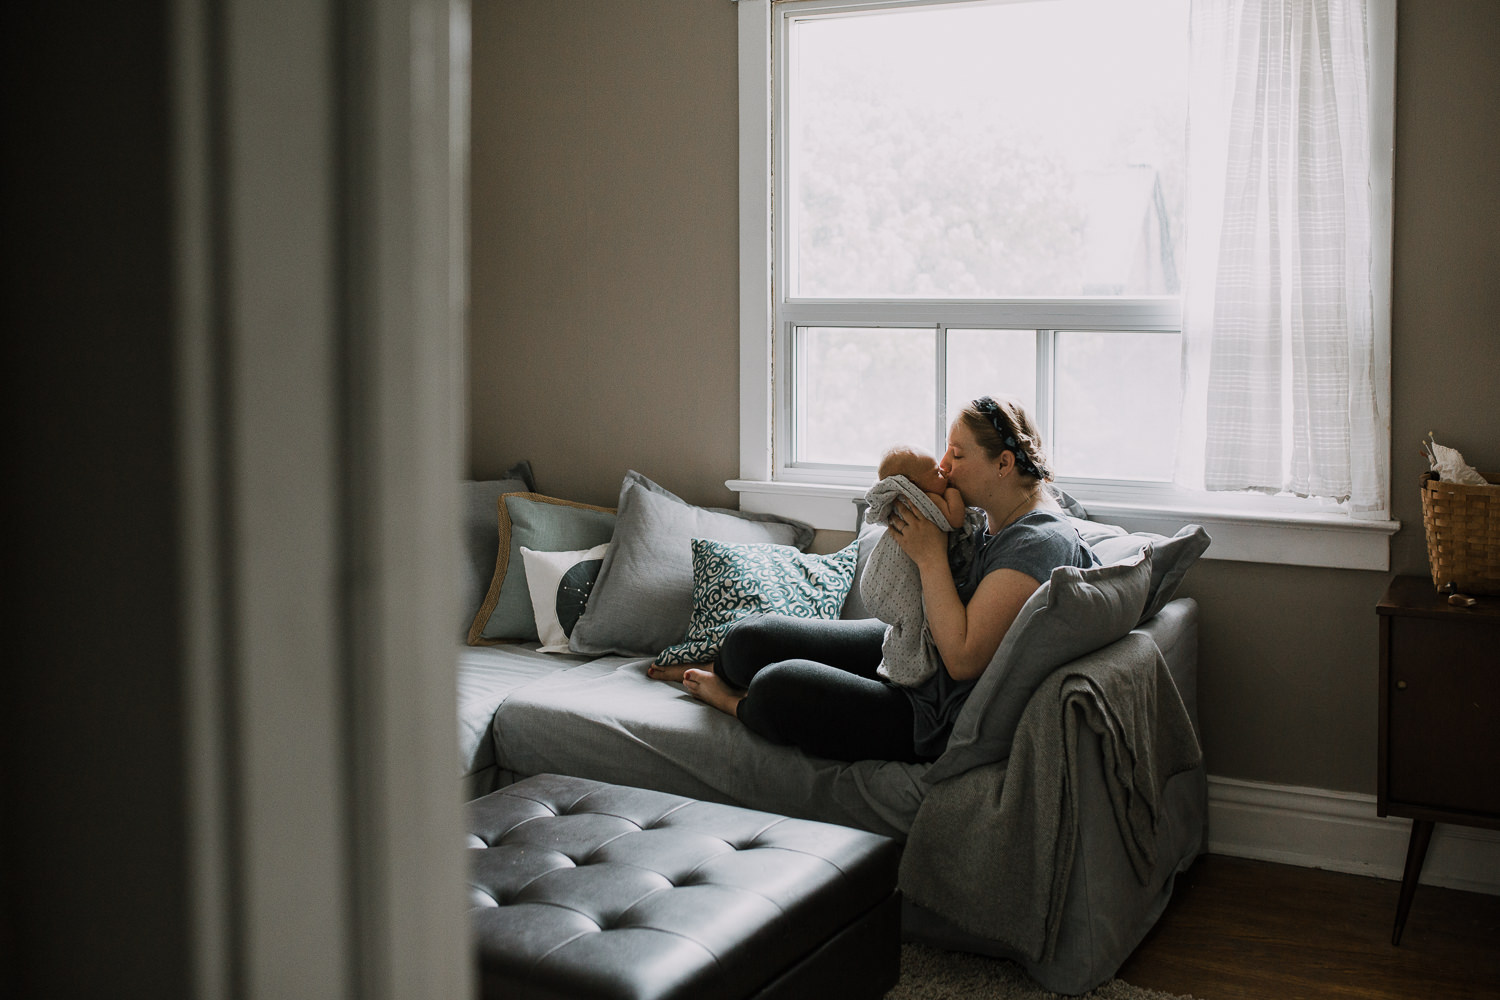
x: 320, y: 155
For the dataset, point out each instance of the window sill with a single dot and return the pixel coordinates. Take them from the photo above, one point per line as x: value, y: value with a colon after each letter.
x: 1241, y: 535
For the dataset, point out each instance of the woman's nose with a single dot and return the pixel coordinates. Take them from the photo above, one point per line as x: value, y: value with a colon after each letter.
x: 946, y: 465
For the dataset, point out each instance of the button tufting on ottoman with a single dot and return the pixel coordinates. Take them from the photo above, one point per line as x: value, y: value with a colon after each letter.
x: 583, y: 889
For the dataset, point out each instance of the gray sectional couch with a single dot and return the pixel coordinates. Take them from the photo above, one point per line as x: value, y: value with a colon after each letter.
x: 1098, y: 689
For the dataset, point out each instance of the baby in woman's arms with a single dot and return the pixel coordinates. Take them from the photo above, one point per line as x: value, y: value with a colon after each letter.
x: 890, y: 581
x: 923, y: 471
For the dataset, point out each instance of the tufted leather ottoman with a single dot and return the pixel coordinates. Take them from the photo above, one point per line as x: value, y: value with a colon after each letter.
x: 583, y: 889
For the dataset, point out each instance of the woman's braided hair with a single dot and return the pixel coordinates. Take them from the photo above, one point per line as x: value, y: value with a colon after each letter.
x: 1002, y: 425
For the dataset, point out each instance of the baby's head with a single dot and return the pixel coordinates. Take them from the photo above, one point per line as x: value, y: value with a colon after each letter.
x: 918, y: 466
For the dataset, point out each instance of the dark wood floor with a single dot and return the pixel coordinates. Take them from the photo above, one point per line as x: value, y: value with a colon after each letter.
x: 1250, y: 930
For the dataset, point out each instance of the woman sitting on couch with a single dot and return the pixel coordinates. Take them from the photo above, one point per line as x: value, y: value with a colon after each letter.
x: 813, y: 683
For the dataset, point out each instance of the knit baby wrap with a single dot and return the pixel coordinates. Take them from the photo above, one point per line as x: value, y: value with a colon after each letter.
x: 891, y: 584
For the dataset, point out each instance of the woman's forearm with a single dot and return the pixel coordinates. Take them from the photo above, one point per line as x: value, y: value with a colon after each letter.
x: 948, y: 621
x: 967, y: 635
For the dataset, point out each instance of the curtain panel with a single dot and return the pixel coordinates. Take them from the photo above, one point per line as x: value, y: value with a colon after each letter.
x: 1278, y: 333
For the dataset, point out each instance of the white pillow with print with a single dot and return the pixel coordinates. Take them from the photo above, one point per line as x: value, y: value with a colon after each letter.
x: 560, y: 583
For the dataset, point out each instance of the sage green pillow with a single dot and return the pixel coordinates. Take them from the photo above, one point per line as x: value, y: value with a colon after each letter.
x: 478, y: 501
x: 544, y: 524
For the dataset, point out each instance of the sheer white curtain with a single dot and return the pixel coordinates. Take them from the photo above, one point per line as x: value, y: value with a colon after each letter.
x: 1278, y: 336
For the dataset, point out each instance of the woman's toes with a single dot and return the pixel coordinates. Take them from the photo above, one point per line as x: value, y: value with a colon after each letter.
x: 707, y: 687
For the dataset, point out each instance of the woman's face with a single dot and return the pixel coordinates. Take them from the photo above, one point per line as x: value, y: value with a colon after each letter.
x: 965, y: 464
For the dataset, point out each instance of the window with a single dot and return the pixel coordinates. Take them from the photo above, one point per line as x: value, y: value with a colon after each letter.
x: 1016, y: 183
x: 946, y: 199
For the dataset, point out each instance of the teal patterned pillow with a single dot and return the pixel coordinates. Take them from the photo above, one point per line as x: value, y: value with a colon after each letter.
x: 732, y: 580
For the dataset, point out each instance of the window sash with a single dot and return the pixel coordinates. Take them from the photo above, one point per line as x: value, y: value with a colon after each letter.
x: 1046, y: 317
x: 1084, y: 314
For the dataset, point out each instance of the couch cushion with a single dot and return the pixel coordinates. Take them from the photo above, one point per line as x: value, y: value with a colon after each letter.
x: 560, y: 584
x: 1170, y: 559
x: 854, y: 605
x: 487, y: 675
x: 478, y: 520
x: 1092, y: 531
x: 607, y: 720
x: 644, y: 594
x: 732, y: 581
x: 545, y: 524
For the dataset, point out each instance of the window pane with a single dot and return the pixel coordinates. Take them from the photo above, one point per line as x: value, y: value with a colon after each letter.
x: 1116, y: 405
x: 862, y: 391
x: 991, y: 363
x: 988, y: 150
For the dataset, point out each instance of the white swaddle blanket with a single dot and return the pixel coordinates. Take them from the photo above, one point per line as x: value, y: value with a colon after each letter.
x: 892, y: 586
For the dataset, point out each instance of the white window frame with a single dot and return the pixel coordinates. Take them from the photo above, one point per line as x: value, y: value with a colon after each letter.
x: 1245, y: 527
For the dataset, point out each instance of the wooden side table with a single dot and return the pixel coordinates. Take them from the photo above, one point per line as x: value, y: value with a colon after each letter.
x: 1439, y: 717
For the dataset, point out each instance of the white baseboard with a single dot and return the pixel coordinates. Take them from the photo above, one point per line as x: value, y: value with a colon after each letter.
x: 1339, y: 831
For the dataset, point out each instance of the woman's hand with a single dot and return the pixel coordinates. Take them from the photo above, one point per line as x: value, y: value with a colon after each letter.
x: 925, y: 542
x: 966, y: 635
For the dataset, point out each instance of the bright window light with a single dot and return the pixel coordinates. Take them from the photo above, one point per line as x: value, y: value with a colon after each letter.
x: 988, y: 150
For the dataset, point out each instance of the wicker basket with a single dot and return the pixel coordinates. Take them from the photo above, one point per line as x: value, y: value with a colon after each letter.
x: 1463, y: 534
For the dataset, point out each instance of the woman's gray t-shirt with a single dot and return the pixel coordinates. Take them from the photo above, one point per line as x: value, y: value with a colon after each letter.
x: 1035, y: 544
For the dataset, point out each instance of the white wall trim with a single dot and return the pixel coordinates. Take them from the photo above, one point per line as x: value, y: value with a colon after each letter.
x: 1330, y: 540
x: 1326, y: 540
x: 1339, y: 831
x: 755, y: 238
x: 319, y: 281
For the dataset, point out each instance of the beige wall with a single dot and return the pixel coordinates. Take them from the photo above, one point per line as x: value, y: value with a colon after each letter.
x: 605, y: 307
x: 604, y: 246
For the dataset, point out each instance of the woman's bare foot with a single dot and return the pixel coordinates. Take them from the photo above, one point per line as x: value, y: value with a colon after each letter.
x: 707, y: 687
x: 672, y: 673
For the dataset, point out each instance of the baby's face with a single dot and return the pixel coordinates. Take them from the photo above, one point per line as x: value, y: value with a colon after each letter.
x: 930, y: 479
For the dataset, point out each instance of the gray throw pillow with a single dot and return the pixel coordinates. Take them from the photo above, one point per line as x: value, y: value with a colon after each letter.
x: 1170, y: 559
x: 1068, y: 503
x: 1092, y: 532
x: 854, y: 604
x: 643, y: 597
x: 1075, y: 612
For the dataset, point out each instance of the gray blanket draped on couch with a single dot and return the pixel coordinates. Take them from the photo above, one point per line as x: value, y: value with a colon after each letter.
x: 1125, y: 695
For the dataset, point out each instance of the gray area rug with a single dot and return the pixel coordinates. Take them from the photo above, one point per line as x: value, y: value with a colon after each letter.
x: 933, y: 974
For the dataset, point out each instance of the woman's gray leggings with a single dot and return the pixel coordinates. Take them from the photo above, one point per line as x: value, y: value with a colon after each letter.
x: 812, y: 683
